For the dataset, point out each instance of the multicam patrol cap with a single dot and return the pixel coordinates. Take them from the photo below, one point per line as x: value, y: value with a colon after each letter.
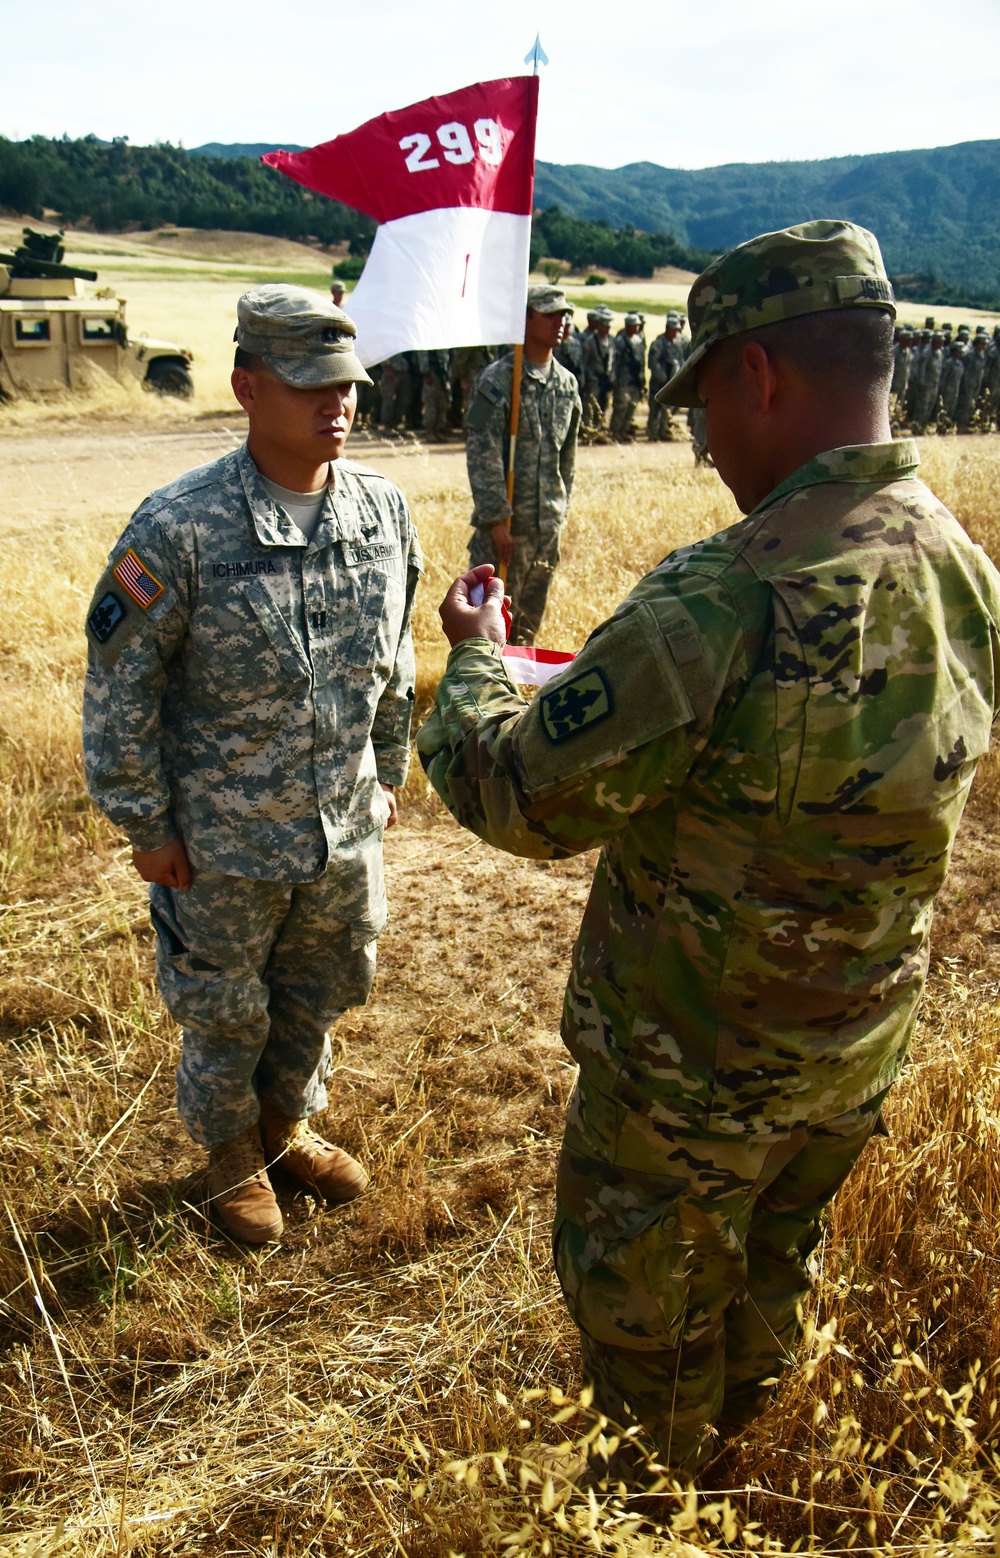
x: 801, y: 270
x: 548, y: 300
x: 300, y: 336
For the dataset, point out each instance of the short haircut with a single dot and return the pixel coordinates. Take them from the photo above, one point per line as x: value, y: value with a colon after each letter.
x: 246, y: 360
x: 847, y: 348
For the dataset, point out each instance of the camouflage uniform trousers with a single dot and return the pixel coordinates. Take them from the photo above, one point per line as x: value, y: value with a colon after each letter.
x: 395, y: 396
x: 256, y: 972
x: 595, y: 404
x: 626, y: 398
x: 529, y: 577
x: 685, y: 1276
x: 698, y: 424
x: 435, y: 409
x: 661, y: 427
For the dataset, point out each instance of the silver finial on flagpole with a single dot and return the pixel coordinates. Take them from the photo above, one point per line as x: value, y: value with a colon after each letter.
x: 536, y: 55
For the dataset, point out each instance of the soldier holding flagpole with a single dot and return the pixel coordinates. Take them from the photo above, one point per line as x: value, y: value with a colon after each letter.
x: 522, y: 432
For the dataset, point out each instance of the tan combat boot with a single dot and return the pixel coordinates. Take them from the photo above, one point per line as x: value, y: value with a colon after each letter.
x: 240, y: 1191
x: 293, y: 1147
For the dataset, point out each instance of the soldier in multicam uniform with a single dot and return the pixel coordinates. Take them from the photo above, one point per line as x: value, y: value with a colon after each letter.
x: 246, y: 721
x: 665, y: 358
x: 435, y: 371
x: 773, y: 740
x: 467, y: 363
x: 973, y: 373
x: 598, y: 373
x: 569, y: 352
x: 949, y: 385
x: 524, y: 538
x: 991, y: 381
x: 629, y: 378
x: 396, y: 391
x: 902, y: 358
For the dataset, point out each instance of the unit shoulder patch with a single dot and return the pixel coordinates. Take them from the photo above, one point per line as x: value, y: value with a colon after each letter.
x: 582, y: 701
x: 106, y: 617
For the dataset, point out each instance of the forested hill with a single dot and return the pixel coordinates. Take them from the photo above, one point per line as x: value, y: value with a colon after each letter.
x: 934, y: 211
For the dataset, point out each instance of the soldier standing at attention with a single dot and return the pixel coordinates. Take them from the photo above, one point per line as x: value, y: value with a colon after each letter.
x: 772, y: 740
x: 629, y: 378
x: 246, y: 723
x: 665, y: 357
x: 598, y: 371
x: 524, y: 539
x: 338, y: 291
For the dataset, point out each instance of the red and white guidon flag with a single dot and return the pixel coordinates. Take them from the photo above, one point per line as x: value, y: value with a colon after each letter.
x: 450, y: 181
x: 534, y: 667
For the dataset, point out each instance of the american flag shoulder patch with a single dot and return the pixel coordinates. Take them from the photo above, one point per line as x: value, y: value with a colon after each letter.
x: 133, y: 576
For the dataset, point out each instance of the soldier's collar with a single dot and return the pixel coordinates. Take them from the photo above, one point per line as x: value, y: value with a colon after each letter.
x: 854, y: 462
x: 274, y: 526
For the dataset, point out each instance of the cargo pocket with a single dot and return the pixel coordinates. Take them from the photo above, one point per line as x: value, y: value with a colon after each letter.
x: 629, y: 1292
x: 171, y: 946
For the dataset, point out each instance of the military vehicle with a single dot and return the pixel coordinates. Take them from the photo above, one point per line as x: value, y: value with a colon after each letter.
x: 51, y: 329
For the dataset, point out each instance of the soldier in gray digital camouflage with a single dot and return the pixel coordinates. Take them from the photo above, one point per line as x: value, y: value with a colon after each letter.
x: 523, y: 537
x: 435, y: 374
x: 973, y: 374
x: 246, y: 723
x: 629, y: 370
x: 598, y: 373
x: 771, y: 741
x: 949, y: 385
x: 665, y: 357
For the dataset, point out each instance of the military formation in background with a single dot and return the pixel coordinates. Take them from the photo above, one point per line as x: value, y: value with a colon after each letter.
x: 945, y: 382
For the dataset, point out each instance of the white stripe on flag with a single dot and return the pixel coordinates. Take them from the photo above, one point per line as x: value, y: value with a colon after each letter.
x: 442, y: 278
x: 534, y: 667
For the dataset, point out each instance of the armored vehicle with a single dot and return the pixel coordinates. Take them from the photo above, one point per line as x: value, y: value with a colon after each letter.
x: 51, y: 330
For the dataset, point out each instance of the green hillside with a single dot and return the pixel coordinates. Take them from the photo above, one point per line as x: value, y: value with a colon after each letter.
x: 935, y: 212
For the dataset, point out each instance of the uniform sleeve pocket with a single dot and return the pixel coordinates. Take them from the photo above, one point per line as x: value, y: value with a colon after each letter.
x: 622, y: 690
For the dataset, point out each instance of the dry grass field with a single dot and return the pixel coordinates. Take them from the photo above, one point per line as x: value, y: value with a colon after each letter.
x: 379, y: 1383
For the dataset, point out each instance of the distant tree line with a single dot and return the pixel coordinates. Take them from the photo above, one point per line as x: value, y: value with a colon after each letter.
x: 118, y: 186
x: 584, y: 244
x: 121, y: 186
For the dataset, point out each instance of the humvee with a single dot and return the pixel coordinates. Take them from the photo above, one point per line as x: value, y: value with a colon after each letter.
x: 51, y: 329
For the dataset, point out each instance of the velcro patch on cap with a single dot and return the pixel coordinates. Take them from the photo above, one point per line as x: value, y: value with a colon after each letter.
x: 133, y: 576
x: 867, y: 289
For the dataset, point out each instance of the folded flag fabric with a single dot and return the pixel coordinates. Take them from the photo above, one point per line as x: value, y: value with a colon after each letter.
x: 534, y: 667
x: 450, y: 181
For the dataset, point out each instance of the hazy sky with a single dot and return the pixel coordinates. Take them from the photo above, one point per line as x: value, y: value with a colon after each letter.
x: 683, y: 84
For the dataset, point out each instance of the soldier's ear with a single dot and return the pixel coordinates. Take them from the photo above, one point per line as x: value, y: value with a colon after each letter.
x: 242, y: 381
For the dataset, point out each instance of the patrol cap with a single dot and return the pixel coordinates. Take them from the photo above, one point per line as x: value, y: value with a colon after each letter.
x: 800, y: 270
x: 548, y: 300
x: 300, y: 336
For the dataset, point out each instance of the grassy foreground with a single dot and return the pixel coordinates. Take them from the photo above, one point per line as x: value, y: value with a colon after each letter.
x: 381, y: 1382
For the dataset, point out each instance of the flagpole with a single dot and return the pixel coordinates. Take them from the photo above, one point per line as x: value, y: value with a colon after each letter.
x: 536, y: 53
